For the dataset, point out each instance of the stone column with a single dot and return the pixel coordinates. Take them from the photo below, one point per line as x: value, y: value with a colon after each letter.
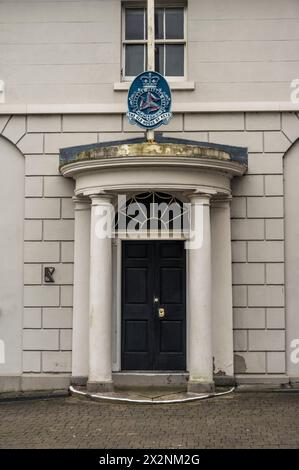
x: 80, y: 350
x: 100, y: 296
x: 200, y: 357
x: 222, y: 304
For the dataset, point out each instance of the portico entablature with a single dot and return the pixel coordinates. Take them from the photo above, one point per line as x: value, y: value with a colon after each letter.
x: 177, y: 165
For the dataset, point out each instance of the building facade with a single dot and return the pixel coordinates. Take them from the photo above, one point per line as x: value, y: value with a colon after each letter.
x: 67, y: 153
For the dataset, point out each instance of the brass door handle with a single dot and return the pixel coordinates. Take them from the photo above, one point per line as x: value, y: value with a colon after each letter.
x: 161, y: 313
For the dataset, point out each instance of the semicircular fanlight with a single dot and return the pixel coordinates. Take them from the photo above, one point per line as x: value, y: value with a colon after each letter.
x: 152, y: 211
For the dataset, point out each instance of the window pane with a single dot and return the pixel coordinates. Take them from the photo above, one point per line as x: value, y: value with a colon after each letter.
x: 175, y: 60
x: 159, y: 23
x: 159, y: 58
x: 174, y: 23
x: 134, y: 60
x: 134, y: 23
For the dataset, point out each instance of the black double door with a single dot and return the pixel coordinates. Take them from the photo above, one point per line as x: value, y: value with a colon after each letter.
x: 153, y: 305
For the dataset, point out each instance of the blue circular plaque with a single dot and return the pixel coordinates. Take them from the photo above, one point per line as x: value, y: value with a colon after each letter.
x: 149, y: 101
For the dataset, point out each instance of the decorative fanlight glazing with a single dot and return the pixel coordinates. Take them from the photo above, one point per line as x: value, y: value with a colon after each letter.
x: 152, y: 212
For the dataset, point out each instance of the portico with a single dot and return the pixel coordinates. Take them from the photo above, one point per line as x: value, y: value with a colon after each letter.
x: 196, y: 173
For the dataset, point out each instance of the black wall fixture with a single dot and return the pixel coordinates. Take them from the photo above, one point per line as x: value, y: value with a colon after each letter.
x: 48, y: 274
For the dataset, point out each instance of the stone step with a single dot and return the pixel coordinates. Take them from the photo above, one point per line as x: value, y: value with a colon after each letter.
x: 125, y: 380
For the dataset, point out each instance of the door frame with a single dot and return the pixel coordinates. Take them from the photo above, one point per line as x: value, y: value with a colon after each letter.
x: 117, y: 247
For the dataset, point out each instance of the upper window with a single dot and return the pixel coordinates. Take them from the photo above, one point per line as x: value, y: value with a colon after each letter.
x: 170, y: 41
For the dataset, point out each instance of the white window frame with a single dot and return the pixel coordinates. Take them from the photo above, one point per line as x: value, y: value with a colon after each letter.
x: 183, y: 41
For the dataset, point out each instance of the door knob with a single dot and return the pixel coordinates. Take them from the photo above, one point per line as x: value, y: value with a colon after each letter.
x: 161, y: 313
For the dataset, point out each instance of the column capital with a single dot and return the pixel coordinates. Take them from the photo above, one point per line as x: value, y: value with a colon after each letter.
x: 100, y: 199
x: 81, y: 203
x: 201, y: 199
x: 221, y: 202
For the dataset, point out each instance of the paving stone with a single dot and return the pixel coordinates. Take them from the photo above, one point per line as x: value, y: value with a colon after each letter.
x: 240, y: 420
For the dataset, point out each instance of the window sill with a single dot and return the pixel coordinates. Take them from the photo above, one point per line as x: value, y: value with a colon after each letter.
x: 124, y: 86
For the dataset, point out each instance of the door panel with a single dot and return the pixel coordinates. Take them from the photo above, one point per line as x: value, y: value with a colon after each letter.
x: 170, y: 280
x: 137, y: 321
x: 153, y: 269
x: 171, y: 285
x: 136, y: 283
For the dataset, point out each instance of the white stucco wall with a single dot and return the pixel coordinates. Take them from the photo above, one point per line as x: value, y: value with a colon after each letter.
x: 291, y: 166
x: 70, y: 51
x: 257, y: 230
x: 11, y: 257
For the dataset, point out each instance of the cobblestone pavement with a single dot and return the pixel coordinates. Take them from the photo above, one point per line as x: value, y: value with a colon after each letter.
x: 240, y: 420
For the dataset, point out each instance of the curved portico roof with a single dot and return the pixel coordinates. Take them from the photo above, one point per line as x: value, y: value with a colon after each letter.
x: 164, y: 146
x: 167, y: 165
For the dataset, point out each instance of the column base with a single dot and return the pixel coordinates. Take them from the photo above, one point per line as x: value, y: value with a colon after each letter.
x: 79, y: 380
x: 200, y: 387
x: 100, y: 386
x: 224, y: 380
